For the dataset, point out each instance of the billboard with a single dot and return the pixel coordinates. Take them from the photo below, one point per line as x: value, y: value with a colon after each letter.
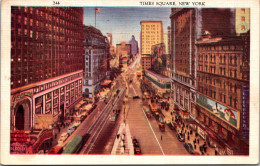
x: 219, y: 110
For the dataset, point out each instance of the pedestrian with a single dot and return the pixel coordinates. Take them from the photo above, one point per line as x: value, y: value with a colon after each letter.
x: 195, y: 140
x: 216, y: 152
x: 205, y: 149
x: 188, y: 137
x: 55, y: 135
x: 198, y: 140
x: 59, y: 129
x: 190, y: 131
x: 161, y: 137
x: 194, y: 146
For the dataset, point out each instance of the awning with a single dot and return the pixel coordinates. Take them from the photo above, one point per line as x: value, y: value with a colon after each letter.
x: 106, y: 82
x: 79, y: 104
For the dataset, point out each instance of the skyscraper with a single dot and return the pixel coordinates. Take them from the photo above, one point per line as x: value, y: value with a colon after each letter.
x: 46, y: 63
x: 151, y: 34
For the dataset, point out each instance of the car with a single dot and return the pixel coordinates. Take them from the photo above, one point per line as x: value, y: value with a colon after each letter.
x: 161, y: 126
x: 137, y: 149
x: 189, y: 147
x: 71, y: 129
x: 172, y: 126
x: 136, y: 97
x: 180, y: 137
x: 63, y: 137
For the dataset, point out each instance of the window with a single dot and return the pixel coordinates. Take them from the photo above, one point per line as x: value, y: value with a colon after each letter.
x: 25, y: 20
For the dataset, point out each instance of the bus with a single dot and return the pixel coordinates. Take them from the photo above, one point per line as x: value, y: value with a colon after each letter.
x: 74, y: 145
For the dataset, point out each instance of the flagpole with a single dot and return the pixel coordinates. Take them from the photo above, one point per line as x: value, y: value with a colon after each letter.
x: 95, y: 16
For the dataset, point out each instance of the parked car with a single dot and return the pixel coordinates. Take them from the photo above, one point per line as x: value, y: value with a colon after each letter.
x: 136, y: 97
x: 63, y: 138
x: 180, y: 137
x: 137, y: 149
x: 162, y: 126
x: 189, y: 148
x: 71, y: 129
x: 172, y: 126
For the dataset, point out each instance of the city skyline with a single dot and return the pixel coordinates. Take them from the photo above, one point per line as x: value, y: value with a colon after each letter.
x: 123, y: 22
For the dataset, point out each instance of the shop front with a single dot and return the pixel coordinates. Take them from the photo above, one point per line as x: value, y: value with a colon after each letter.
x: 219, y: 134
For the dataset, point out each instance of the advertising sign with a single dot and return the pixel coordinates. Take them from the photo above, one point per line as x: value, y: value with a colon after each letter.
x: 225, y: 113
x: 245, y: 112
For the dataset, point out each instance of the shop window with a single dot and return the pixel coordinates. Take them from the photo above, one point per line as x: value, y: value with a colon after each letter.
x: 62, y: 98
x: 48, y: 106
x: 38, y: 100
x: 48, y: 96
x: 38, y: 110
x: 55, y: 111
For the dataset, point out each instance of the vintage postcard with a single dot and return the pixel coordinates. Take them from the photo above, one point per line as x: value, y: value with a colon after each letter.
x: 130, y: 82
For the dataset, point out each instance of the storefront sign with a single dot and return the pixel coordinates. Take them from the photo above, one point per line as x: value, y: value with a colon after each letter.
x: 245, y: 112
x: 218, y: 110
x: 17, y: 148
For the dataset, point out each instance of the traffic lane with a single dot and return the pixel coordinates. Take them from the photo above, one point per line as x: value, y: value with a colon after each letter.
x: 168, y: 140
x: 85, y: 125
x: 140, y: 128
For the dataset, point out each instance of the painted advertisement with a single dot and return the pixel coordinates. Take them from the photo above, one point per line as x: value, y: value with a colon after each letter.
x: 219, y: 110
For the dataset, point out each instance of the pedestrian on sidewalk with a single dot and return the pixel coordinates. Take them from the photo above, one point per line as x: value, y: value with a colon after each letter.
x: 194, y: 146
x: 188, y: 137
x: 198, y: 140
x: 190, y: 131
x: 161, y: 137
x: 59, y: 129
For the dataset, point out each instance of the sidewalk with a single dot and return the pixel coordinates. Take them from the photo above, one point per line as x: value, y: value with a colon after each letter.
x: 190, y: 134
x: 123, y: 142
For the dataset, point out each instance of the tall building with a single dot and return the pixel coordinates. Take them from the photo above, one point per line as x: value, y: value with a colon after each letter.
x: 123, y: 52
x: 46, y: 63
x: 95, y: 61
x: 207, y: 75
x: 151, y: 34
x: 165, y: 41
x: 134, y: 45
x: 112, y: 48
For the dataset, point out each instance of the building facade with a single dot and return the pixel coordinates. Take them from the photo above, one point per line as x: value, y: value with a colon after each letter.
x: 123, y: 52
x: 151, y: 34
x: 134, y: 46
x: 46, y: 63
x: 209, y: 77
x: 95, y: 61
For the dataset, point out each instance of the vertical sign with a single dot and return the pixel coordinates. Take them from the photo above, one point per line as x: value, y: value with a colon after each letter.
x: 245, y: 112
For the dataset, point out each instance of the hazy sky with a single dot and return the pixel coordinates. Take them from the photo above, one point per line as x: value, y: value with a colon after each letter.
x: 123, y: 22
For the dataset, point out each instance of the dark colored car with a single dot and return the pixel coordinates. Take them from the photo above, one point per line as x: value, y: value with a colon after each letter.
x: 189, y: 147
x: 180, y: 137
x: 136, y: 97
x: 137, y: 149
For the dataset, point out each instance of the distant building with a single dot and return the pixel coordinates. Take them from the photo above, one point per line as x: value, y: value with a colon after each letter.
x: 46, y: 64
x: 112, y: 48
x: 134, y: 45
x: 123, y: 52
x: 95, y: 61
x: 151, y: 34
x: 165, y: 41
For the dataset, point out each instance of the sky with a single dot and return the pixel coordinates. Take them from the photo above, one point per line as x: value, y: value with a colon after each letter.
x: 123, y: 22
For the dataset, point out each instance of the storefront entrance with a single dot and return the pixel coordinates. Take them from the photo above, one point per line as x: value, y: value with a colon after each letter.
x: 19, y: 118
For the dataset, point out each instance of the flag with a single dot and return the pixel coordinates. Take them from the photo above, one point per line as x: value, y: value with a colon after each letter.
x: 97, y: 10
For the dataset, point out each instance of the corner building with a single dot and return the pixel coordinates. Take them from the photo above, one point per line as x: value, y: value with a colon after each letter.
x: 46, y: 63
